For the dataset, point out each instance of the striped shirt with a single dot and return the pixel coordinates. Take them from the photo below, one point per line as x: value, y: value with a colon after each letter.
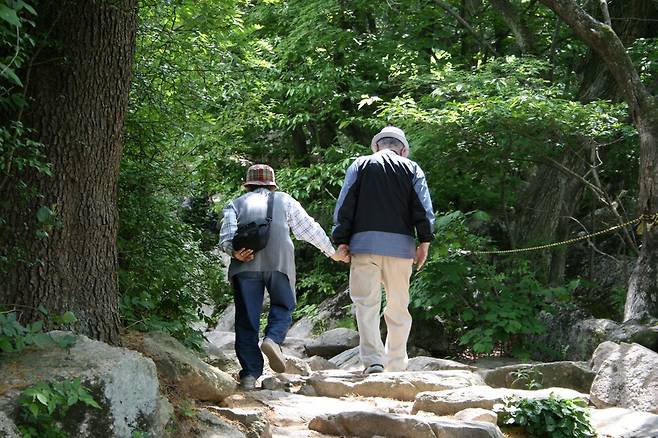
x: 303, y: 226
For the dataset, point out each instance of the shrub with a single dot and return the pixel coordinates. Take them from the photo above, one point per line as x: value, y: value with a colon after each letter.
x: 551, y: 418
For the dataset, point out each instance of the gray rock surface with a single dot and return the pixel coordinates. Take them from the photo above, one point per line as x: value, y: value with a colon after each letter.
x: 627, y: 378
x: 424, y: 363
x: 452, y: 401
x: 317, y: 363
x: 122, y: 381
x: 477, y: 414
x: 329, y: 312
x: 395, y: 385
x: 620, y: 422
x: 367, y: 424
x: 295, y: 365
x: 602, y: 352
x: 253, y: 420
x: 332, y: 342
x: 347, y: 360
x: 574, y: 375
x: 223, y: 359
x: 214, y: 426
x: 186, y: 371
x: 7, y: 427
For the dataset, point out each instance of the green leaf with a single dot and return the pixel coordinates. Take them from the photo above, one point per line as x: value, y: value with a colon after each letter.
x: 43, y: 214
x: 9, y: 15
x: 42, y: 398
x: 9, y: 73
x: 67, y: 318
x: 5, y: 345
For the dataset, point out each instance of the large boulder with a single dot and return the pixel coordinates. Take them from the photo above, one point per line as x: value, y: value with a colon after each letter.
x: 327, y: 316
x: 620, y: 422
x: 452, y: 401
x: 7, y: 427
x: 570, y: 336
x: 627, y: 378
x: 332, y: 342
x: 183, y: 369
x: 395, y: 385
x: 369, y: 424
x: 574, y: 375
x: 122, y: 381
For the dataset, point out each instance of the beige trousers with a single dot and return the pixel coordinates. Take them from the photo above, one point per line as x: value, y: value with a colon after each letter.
x: 367, y: 273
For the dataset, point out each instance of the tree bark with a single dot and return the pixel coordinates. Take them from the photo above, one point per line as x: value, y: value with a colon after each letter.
x: 642, y: 298
x: 77, y: 96
x: 514, y: 20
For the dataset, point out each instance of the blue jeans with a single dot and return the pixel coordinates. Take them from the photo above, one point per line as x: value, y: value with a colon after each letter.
x: 248, y: 291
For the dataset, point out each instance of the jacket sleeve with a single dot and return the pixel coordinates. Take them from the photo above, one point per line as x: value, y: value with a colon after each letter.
x: 346, y: 206
x: 422, y: 210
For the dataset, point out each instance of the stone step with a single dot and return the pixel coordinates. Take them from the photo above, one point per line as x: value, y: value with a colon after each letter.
x: 368, y: 424
x: 451, y: 401
x: 395, y: 385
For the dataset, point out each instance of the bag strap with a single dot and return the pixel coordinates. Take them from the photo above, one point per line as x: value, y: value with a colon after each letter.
x: 270, y: 206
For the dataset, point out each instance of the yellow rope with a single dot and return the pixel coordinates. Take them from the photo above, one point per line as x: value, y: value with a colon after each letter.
x: 648, y: 220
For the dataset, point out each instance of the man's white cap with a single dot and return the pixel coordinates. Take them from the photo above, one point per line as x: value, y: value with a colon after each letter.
x: 389, y: 131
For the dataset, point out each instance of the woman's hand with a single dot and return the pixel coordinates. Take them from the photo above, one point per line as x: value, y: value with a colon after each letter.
x: 244, y: 254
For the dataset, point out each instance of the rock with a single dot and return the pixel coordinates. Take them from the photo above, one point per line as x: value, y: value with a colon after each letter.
x: 620, y: 422
x: 333, y: 342
x: 122, y: 381
x: 184, y: 370
x: 477, y: 414
x: 295, y: 365
x: 294, y: 346
x: 602, y: 352
x: 7, y: 427
x: 329, y: 312
x: 317, y: 363
x: 254, y: 421
x: 568, y: 337
x: 226, y: 322
x: 274, y: 383
x: 367, y: 424
x: 223, y: 341
x: 347, y: 360
x: 395, y: 385
x: 214, y: 426
x: 424, y: 363
x: 574, y: 375
x: 628, y: 378
x: 451, y: 401
x: 164, y: 415
x: 225, y: 360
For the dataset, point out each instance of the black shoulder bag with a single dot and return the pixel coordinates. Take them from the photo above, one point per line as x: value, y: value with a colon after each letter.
x: 255, y: 234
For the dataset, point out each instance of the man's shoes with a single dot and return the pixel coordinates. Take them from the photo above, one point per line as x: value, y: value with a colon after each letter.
x: 248, y: 383
x: 374, y: 369
x: 274, y: 355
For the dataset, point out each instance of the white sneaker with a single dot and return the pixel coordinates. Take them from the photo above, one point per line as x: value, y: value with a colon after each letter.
x: 274, y: 355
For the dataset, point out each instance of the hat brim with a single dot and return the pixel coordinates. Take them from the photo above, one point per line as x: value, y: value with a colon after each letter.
x: 377, y: 137
x: 260, y: 183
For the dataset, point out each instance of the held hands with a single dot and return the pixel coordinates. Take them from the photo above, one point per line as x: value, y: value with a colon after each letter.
x: 342, y: 254
x: 244, y: 254
x: 421, y: 255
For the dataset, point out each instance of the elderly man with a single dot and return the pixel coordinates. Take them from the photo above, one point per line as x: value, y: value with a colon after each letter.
x: 383, y: 206
x: 273, y: 267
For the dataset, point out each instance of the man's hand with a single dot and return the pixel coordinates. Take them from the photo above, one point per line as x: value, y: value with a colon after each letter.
x: 342, y: 254
x: 244, y: 254
x: 421, y: 255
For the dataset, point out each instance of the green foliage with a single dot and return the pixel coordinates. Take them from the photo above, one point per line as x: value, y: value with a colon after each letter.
x: 15, y: 337
x: 45, y: 405
x: 484, y: 305
x: 530, y: 377
x: 551, y: 418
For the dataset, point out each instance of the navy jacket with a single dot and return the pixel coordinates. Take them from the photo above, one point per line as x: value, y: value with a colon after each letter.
x: 383, y: 204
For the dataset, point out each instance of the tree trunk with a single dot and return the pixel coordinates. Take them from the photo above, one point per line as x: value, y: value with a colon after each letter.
x: 642, y: 298
x: 514, y: 20
x: 77, y: 93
